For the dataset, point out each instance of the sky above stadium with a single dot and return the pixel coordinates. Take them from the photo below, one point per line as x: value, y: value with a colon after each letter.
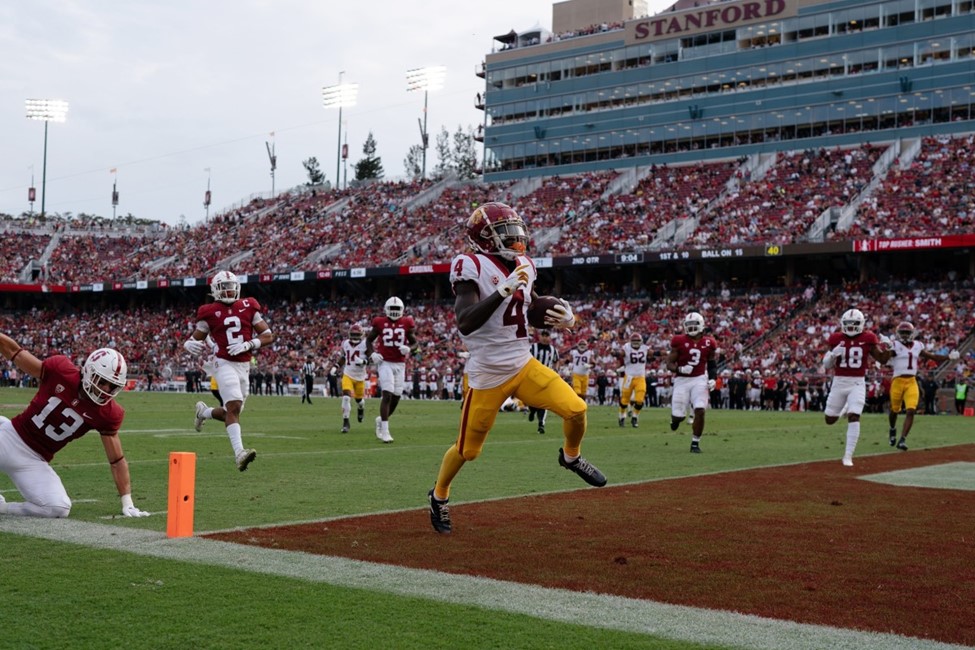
x: 165, y: 97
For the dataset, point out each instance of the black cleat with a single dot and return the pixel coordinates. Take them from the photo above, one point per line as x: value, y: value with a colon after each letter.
x: 439, y: 514
x: 531, y: 415
x: 902, y: 444
x: 345, y: 425
x: 360, y: 413
x: 541, y: 429
x: 634, y: 421
x: 892, y: 436
x: 622, y: 421
x: 695, y: 447
x: 586, y: 470
x: 674, y: 425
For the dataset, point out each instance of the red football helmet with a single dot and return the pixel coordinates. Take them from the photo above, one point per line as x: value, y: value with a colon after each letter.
x: 496, y: 229
x: 905, y: 332
x: 355, y: 333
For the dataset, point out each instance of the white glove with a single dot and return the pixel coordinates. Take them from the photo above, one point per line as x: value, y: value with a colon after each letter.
x: 685, y: 370
x: 129, y: 509
x: 517, y: 279
x: 246, y: 346
x: 885, y: 339
x: 560, y: 316
x: 954, y: 354
x: 463, y: 354
x: 829, y: 360
x: 193, y: 346
x: 359, y: 362
x: 711, y: 385
x: 405, y: 350
x: 376, y: 357
x: 585, y: 366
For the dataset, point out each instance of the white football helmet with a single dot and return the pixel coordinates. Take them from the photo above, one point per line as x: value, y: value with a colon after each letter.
x: 693, y: 324
x: 225, y: 287
x: 852, y: 322
x: 394, y: 308
x: 103, y: 366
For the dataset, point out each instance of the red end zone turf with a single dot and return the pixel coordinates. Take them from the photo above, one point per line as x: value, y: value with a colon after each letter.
x: 809, y: 543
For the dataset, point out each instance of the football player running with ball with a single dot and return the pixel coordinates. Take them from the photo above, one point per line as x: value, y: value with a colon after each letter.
x: 848, y: 352
x: 68, y: 404
x: 493, y: 285
x: 237, y: 328
x: 691, y: 359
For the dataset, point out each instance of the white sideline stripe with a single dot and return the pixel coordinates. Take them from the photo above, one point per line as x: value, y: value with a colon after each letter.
x: 707, y: 627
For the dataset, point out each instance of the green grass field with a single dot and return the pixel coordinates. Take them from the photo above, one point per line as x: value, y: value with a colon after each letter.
x: 58, y: 595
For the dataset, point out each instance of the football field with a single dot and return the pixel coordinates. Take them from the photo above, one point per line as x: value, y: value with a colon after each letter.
x: 325, y: 541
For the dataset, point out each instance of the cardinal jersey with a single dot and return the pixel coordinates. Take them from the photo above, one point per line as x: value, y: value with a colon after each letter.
x: 856, y: 350
x: 392, y: 334
x: 229, y: 324
x: 61, y: 412
x: 906, y: 357
x: 354, y: 352
x: 696, y: 352
x: 500, y: 347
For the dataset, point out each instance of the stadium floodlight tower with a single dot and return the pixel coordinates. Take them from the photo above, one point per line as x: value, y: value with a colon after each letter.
x: 339, y: 96
x: 49, y: 110
x: 425, y: 79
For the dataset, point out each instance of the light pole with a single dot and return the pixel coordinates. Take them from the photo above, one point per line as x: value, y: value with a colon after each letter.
x: 425, y: 79
x: 49, y: 110
x: 339, y: 96
x: 206, y: 197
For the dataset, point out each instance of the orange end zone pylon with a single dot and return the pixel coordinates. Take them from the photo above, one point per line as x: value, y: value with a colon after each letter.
x: 182, y: 480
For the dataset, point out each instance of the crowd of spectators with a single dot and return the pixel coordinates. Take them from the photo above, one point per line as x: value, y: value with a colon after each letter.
x: 780, y: 207
x: 759, y: 330
x: 390, y: 223
x: 934, y: 195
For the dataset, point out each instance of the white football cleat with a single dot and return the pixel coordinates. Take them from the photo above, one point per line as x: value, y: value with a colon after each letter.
x: 200, y: 415
x: 245, y: 458
x: 848, y: 461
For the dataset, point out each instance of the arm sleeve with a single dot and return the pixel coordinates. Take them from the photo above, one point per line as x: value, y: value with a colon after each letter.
x: 712, y: 369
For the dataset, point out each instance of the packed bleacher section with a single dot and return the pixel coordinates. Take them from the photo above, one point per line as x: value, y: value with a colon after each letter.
x: 389, y: 223
x: 769, y: 331
x: 934, y: 195
x: 781, y: 207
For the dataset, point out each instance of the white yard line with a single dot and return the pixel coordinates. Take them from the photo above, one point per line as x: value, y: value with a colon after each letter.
x: 707, y: 627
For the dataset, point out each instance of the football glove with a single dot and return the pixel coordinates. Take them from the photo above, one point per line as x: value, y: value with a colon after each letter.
x: 829, y: 359
x: 954, y: 355
x: 358, y: 363
x: 246, y: 346
x: 517, y: 279
x: 405, y: 350
x: 686, y: 370
x: 560, y: 315
x: 885, y: 339
x: 376, y: 357
x: 193, y: 346
x: 711, y: 384
x: 129, y: 509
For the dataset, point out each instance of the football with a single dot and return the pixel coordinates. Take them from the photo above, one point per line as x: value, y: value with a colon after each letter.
x: 537, y: 309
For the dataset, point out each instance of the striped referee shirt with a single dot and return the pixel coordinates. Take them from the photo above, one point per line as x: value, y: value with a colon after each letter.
x: 308, y: 369
x: 545, y: 353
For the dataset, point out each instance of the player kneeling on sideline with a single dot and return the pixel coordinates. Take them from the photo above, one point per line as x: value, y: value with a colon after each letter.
x: 68, y: 404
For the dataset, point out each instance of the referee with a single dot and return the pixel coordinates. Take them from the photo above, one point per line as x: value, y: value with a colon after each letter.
x: 308, y: 373
x: 545, y: 352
